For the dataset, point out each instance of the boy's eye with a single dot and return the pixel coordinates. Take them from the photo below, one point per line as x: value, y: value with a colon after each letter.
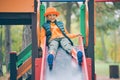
x: 54, y: 14
x: 51, y: 14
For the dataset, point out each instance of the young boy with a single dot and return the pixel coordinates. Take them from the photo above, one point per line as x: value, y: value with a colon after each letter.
x: 57, y: 36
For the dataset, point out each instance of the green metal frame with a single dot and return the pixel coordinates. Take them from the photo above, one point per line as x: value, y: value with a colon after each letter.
x: 42, y: 11
x: 82, y: 22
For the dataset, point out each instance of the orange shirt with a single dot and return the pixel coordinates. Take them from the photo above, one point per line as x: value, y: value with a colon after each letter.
x: 56, y: 33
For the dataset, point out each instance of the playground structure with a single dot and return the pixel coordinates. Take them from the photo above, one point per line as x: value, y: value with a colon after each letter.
x: 31, y: 12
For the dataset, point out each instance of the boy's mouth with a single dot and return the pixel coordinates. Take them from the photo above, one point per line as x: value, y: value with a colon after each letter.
x: 52, y: 20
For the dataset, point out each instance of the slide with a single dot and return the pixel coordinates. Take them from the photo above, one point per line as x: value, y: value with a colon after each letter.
x: 64, y: 68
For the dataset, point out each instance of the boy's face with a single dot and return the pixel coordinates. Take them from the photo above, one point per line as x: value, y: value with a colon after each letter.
x: 51, y: 17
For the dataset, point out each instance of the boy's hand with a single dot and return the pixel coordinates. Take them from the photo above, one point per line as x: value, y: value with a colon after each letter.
x: 77, y: 35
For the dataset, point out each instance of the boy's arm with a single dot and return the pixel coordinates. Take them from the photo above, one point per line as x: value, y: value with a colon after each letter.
x: 71, y: 35
x: 43, y: 34
x: 38, y: 35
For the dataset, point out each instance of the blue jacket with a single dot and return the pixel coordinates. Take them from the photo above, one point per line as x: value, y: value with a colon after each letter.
x: 60, y: 25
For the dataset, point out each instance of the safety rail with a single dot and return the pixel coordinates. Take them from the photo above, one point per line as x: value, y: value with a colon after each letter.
x: 22, y: 62
x: 24, y: 68
x: 24, y: 55
x: 15, y: 73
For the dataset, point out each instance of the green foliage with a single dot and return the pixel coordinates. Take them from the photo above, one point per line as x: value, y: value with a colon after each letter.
x: 98, y: 49
x: 106, y: 19
x: 112, y: 51
x: 16, y: 36
x: 2, y: 42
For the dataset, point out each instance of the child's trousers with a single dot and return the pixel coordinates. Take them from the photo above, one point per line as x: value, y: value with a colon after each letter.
x: 63, y: 42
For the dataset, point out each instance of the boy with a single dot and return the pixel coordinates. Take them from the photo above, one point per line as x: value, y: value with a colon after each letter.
x: 57, y: 36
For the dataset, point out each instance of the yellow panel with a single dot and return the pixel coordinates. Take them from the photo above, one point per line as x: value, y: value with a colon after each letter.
x: 16, y: 5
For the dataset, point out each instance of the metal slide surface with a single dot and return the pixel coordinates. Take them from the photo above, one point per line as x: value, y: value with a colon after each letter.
x: 64, y: 68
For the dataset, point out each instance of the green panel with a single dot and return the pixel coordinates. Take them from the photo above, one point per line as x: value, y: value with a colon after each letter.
x: 42, y: 12
x: 24, y: 55
x: 82, y: 22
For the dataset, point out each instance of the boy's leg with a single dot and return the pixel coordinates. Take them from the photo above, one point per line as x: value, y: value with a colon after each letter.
x: 52, y: 49
x: 65, y: 43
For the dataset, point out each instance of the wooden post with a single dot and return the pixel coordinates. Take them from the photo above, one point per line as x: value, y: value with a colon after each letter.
x: 13, y: 70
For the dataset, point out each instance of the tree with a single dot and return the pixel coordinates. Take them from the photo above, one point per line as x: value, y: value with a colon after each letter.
x: 68, y: 15
x: 104, y: 49
x: 26, y: 36
x: 105, y: 21
x: 7, y: 44
x: 1, y: 56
